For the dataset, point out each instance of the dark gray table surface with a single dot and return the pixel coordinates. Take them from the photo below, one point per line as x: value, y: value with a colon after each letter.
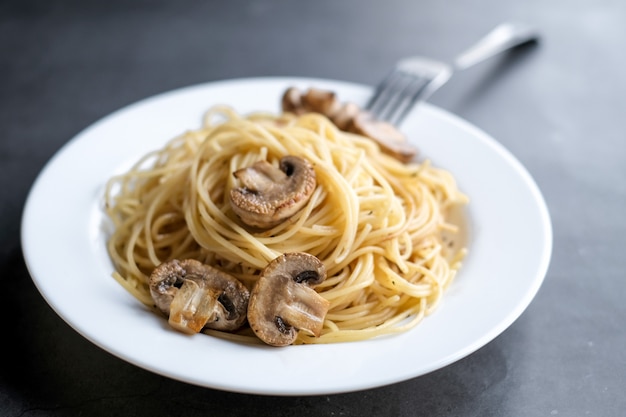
x: 559, y: 107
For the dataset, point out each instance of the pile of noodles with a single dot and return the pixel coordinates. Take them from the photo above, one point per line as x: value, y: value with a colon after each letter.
x: 375, y: 223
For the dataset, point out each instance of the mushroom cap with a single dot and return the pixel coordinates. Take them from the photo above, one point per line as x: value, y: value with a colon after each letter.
x: 313, y: 100
x: 194, y: 281
x: 345, y: 114
x: 291, y: 101
x: 390, y: 139
x: 283, y: 300
x: 321, y: 101
x: 270, y: 195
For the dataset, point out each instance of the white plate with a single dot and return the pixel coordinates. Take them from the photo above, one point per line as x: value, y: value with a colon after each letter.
x: 510, y: 243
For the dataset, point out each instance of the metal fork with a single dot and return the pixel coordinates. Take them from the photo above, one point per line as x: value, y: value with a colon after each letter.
x: 415, y: 78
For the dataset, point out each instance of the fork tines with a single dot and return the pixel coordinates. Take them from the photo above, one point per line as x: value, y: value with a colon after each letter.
x: 396, y: 95
x: 412, y: 79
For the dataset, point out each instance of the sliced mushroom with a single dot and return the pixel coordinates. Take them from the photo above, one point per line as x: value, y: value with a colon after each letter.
x: 351, y: 118
x: 196, y: 296
x: 283, y: 300
x: 269, y: 194
x: 344, y: 116
x: 321, y: 101
x: 313, y: 100
x: 292, y: 101
x: 390, y: 139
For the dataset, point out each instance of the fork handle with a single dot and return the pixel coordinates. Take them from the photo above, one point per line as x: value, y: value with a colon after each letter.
x: 502, y: 37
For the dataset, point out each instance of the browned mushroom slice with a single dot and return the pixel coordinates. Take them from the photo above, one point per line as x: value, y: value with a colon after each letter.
x: 283, y: 300
x: 390, y: 139
x: 194, y: 296
x: 292, y: 101
x: 344, y: 116
x: 313, y: 100
x: 269, y: 194
x: 321, y: 101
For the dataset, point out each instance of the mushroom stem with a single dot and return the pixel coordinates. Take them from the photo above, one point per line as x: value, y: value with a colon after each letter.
x: 305, y: 311
x: 194, y: 295
x: 283, y: 301
x: 192, y: 307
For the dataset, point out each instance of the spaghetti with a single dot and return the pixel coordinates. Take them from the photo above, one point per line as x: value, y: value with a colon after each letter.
x: 374, y: 222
